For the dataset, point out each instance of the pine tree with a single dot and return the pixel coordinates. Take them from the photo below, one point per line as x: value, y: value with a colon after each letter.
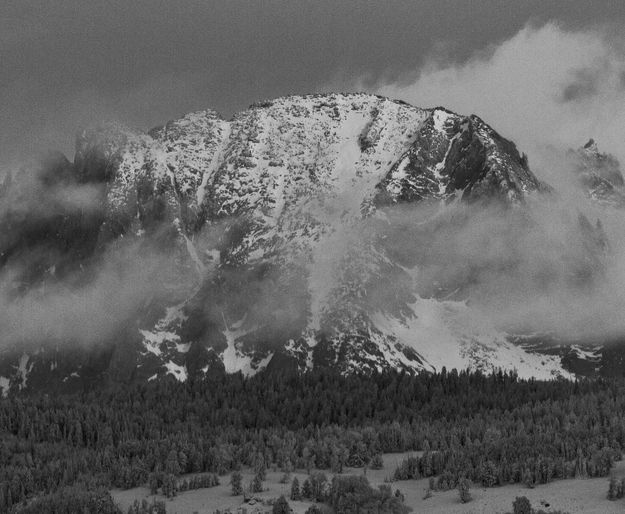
x: 295, y: 492
x: 169, y: 486
x: 336, y: 465
x: 318, y: 481
x: 306, y: 490
x: 153, y: 482
x: 463, y: 490
x: 377, y: 462
x: 614, y: 489
x: 260, y: 467
x: 236, y: 481
x: 528, y: 479
x: 281, y: 506
x: 521, y: 505
x: 257, y: 484
x: 172, y: 466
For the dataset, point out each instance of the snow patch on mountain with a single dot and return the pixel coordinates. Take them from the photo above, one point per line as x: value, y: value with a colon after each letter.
x: 177, y: 371
x: 5, y: 384
x: 449, y: 334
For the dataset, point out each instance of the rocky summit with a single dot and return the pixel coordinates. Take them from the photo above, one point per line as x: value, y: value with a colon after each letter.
x: 286, y: 236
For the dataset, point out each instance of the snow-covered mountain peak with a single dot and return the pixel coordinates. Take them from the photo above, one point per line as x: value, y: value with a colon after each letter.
x: 283, y: 224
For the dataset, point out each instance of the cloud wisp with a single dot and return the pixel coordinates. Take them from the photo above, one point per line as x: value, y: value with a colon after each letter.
x: 544, y: 88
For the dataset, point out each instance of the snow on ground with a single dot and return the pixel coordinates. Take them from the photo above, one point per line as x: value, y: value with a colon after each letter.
x: 163, y: 337
x: 199, y: 265
x: 4, y: 385
x: 173, y: 317
x: 594, y: 355
x: 74, y: 374
x: 440, y: 117
x: 23, y: 369
x: 179, y: 372
x: 231, y: 358
x: 153, y: 340
x: 398, y: 175
x: 214, y: 163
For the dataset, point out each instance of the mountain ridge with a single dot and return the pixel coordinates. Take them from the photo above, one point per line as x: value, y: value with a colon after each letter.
x: 277, y: 225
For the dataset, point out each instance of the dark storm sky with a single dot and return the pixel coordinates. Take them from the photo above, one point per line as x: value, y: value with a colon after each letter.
x: 64, y: 64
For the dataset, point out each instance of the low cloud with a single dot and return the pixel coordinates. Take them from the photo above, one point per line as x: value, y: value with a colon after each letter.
x: 542, y: 269
x: 85, y: 308
x: 544, y: 88
x: 548, y: 89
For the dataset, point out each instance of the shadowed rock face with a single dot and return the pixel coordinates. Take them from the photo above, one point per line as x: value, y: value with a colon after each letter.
x: 275, y: 230
x: 457, y: 155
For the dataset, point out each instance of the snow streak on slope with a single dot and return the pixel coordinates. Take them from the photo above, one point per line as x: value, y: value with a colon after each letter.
x: 233, y: 359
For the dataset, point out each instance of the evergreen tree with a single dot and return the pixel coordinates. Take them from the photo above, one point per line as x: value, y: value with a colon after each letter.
x: 318, y: 483
x: 614, y: 489
x: 260, y: 466
x: 336, y: 465
x: 153, y: 483
x: 257, y: 484
x: 464, y: 490
x: 307, y: 490
x: 281, y: 506
x: 377, y: 462
x: 236, y: 481
x: 295, y: 492
x: 521, y: 505
x: 528, y: 479
x: 169, y: 486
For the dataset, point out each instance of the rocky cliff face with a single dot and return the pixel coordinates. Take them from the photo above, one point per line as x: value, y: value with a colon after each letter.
x: 281, y: 228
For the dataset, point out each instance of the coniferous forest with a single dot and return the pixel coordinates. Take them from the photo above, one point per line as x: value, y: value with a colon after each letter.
x: 63, y: 453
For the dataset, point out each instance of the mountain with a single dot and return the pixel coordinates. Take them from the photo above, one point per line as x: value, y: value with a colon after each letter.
x: 294, y: 234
